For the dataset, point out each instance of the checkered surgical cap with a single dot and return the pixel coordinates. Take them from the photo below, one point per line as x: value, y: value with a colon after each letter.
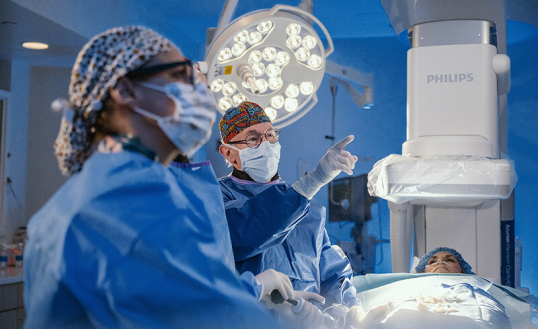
x: 100, y: 64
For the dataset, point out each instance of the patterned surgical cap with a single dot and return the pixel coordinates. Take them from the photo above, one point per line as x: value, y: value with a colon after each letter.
x: 100, y: 64
x: 421, y: 267
x: 237, y: 119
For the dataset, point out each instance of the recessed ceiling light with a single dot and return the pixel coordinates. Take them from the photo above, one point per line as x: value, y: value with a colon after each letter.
x: 35, y: 45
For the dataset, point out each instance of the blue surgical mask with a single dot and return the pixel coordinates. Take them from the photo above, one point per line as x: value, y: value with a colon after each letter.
x: 260, y: 163
x: 189, y: 127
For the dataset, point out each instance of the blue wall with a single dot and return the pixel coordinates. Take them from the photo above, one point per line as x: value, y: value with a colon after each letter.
x: 523, y: 149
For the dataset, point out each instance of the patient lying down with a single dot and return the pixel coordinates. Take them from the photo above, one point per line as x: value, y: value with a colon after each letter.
x: 438, y: 301
x: 443, y: 260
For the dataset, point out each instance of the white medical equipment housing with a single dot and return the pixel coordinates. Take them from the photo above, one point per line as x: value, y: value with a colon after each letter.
x: 272, y: 57
x: 447, y: 184
x: 451, y: 152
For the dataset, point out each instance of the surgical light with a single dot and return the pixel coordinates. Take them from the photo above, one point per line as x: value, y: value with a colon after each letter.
x: 228, y: 88
x: 264, y: 27
x: 306, y: 88
x: 302, y: 54
x: 292, y: 90
x: 238, y: 49
x: 241, y: 36
x: 271, y: 113
x: 269, y: 53
x: 238, y: 99
x: 254, y: 37
x: 273, y: 70
x: 277, y: 102
x: 261, y: 84
x: 293, y: 41
x: 225, y: 54
x: 255, y: 56
x: 293, y: 29
x: 282, y: 58
x: 272, y: 57
x: 216, y: 85
x: 258, y: 69
x: 275, y: 83
x: 225, y: 103
x: 309, y: 42
x: 315, y: 62
x: 291, y: 104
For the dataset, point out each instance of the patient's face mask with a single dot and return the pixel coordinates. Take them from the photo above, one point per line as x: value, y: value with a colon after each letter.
x: 189, y: 127
x: 260, y: 163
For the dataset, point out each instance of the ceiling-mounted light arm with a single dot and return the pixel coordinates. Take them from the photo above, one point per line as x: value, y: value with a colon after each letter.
x: 310, y: 17
x: 307, y: 5
x: 346, y: 75
x: 364, y: 100
x: 225, y: 16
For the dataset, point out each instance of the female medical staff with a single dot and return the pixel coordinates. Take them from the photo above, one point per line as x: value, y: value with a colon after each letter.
x: 120, y: 244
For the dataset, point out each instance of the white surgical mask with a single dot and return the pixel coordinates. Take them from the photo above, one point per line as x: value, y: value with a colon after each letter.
x: 189, y: 127
x: 260, y: 163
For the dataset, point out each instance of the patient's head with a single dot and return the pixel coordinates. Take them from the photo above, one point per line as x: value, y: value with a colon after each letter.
x: 443, y: 260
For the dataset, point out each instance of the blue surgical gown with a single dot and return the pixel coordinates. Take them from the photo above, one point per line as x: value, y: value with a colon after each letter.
x: 121, y: 245
x: 274, y: 227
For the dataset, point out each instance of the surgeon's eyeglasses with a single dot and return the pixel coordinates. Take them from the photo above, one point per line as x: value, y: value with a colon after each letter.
x: 186, y: 72
x: 254, y: 140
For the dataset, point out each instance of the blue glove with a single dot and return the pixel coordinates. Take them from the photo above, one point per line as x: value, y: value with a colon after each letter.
x: 333, y: 162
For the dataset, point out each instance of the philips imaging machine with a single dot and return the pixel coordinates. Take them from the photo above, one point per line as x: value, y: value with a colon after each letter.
x: 452, y: 185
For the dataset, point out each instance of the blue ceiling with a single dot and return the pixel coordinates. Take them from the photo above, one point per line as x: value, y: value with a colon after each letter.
x: 67, y: 24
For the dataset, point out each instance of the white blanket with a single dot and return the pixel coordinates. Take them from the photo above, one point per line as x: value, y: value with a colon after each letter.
x: 443, y: 301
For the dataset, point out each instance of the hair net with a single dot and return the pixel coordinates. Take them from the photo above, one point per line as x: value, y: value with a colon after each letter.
x: 99, y: 65
x: 421, y: 267
x: 239, y: 118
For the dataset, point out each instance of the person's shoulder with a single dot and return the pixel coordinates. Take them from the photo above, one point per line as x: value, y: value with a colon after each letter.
x: 112, y: 189
x: 116, y: 177
x: 121, y: 163
x: 227, y: 182
x: 224, y: 179
x: 120, y: 170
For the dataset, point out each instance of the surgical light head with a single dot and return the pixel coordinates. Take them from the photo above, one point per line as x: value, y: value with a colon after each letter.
x: 272, y: 57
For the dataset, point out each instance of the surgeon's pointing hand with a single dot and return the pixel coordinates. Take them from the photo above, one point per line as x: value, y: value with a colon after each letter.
x: 331, y: 164
x: 272, y: 280
x: 337, y: 160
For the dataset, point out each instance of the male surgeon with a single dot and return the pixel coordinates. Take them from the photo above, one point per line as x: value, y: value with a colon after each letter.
x: 275, y: 225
